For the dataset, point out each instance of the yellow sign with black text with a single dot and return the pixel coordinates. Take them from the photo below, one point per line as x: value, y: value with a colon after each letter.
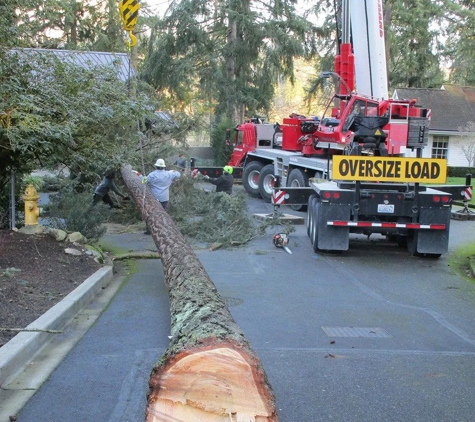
x: 389, y: 169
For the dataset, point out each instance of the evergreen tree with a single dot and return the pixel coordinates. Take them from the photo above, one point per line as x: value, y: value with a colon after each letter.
x: 81, y: 118
x: 460, y: 53
x: 8, y: 20
x: 66, y: 24
x: 413, y: 59
x: 227, y: 53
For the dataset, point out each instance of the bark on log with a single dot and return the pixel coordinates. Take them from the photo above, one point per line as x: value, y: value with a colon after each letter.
x: 209, y: 371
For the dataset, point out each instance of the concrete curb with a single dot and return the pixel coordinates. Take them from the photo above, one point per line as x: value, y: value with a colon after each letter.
x: 462, y: 216
x: 22, y: 349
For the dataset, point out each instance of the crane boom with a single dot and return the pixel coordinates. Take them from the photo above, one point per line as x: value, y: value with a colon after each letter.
x: 367, y: 28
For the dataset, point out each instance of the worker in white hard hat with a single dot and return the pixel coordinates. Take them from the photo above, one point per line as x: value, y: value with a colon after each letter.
x: 159, y: 182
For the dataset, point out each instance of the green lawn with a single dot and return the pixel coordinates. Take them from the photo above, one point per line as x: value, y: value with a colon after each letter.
x: 456, y: 181
x: 460, y: 181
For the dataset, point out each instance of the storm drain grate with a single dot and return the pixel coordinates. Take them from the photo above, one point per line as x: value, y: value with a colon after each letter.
x: 366, y: 332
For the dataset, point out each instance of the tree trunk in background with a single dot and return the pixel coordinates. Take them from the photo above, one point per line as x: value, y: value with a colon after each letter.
x: 134, y: 58
x: 209, y: 371
x: 230, y: 69
x: 387, y: 19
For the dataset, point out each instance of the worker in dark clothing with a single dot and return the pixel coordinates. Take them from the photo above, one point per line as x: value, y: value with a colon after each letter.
x: 181, y: 163
x: 102, y: 190
x: 225, y: 182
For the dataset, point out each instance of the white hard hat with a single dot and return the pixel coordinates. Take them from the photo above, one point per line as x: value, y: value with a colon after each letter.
x: 160, y: 163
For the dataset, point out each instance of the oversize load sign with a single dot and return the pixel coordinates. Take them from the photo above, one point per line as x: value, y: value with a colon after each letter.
x: 389, y: 169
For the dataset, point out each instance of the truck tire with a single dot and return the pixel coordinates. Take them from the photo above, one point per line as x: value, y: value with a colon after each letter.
x: 313, y: 220
x: 315, y: 212
x: 266, y: 182
x: 309, y: 213
x: 412, y: 243
x: 310, y: 218
x: 298, y: 179
x: 250, y: 178
x: 401, y: 240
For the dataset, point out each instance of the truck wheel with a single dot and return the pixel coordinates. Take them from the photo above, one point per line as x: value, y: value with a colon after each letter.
x: 266, y: 182
x: 311, y: 219
x: 250, y: 178
x: 412, y: 243
x: 309, y: 213
x: 298, y: 179
x: 399, y: 239
x: 314, y: 238
x: 432, y: 255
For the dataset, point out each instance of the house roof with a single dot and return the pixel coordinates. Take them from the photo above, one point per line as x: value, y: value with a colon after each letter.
x: 90, y: 59
x: 163, y: 115
x: 452, y: 106
x: 160, y: 122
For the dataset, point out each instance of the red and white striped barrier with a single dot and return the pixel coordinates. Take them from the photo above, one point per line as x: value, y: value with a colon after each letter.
x: 467, y: 193
x: 278, y: 197
x: 387, y: 225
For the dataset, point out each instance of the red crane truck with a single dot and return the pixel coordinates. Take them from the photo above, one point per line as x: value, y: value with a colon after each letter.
x: 352, y: 168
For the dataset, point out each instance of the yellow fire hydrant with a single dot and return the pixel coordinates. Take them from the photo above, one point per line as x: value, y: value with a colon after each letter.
x: 32, y: 211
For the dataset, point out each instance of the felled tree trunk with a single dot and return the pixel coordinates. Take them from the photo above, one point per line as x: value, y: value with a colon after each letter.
x: 209, y: 371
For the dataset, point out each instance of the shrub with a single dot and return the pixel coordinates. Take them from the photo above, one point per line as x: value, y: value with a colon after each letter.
x: 460, y: 171
x: 36, y: 181
x: 53, y: 183
x: 210, y: 217
x: 127, y: 215
x: 4, y: 215
x: 75, y: 213
x: 217, y: 217
x: 222, y: 151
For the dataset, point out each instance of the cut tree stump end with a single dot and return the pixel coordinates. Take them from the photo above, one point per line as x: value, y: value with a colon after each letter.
x: 209, y: 385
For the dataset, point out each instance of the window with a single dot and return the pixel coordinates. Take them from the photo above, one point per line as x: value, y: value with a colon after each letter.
x: 371, y: 109
x: 440, y: 146
x: 358, y: 109
x: 238, y: 137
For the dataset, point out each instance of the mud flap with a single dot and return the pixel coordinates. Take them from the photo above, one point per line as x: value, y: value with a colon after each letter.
x: 330, y: 237
x: 434, y: 241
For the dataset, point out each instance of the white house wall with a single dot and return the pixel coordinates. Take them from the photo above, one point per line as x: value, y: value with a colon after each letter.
x: 456, y: 157
x: 426, y: 152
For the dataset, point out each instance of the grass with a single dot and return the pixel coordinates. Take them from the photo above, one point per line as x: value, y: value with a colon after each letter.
x: 111, y: 248
x: 459, y: 181
x: 455, y: 180
x: 459, y: 260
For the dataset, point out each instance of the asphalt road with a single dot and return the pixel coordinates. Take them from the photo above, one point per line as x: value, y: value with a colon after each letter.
x: 368, y: 335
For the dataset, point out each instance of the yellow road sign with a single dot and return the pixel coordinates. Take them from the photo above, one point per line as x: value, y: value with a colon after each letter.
x: 389, y: 169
